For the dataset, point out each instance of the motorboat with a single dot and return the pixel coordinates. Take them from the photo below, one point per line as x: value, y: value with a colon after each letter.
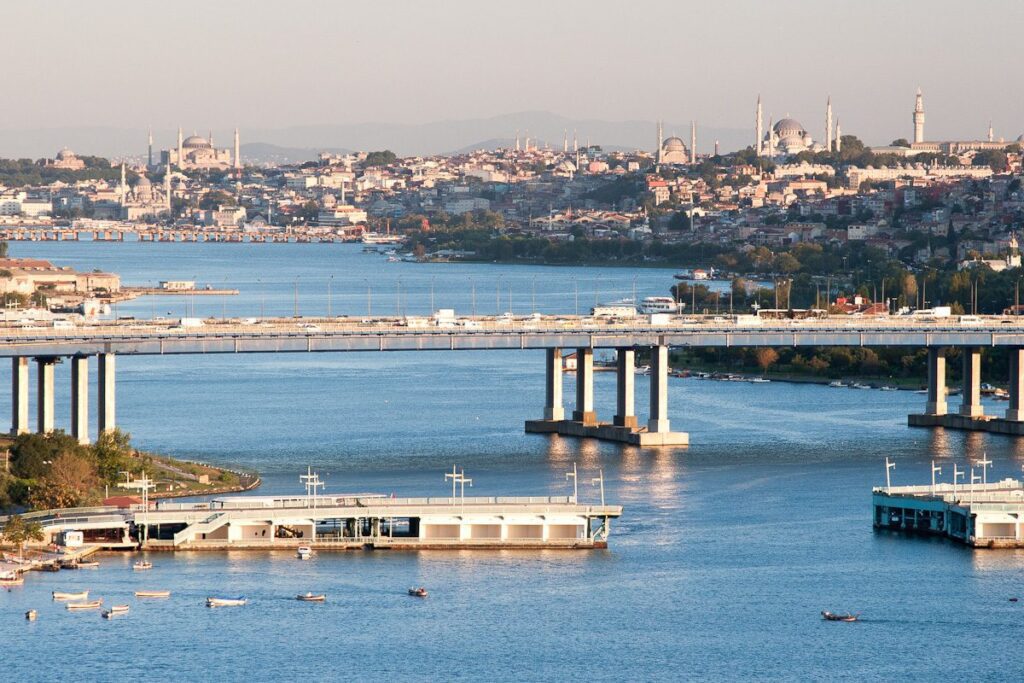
x: 88, y: 565
x: 304, y: 552
x: 837, y: 384
x: 31, y: 615
x: 142, y: 566
x: 858, y: 385
x: 659, y: 304
x: 11, y: 579
x: 226, y: 602
x: 152, y: 594
x: 114, y: 611
x: 81, y: 595
x: 759, y: 380
x: 829, y: 616
x: 310, y: 597
x: 94, y: 604
x: 888, y: 388
x: 420, y: 592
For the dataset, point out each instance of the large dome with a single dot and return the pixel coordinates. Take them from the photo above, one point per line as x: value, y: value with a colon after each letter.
x: 65, y: 154
x: 196, y: 142
x: 673, y: 144
x: 787, y: 127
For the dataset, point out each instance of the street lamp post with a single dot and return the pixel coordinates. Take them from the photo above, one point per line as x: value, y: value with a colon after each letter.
x: 599, y: 481
x: 889, y: 466
x: 575, y: 481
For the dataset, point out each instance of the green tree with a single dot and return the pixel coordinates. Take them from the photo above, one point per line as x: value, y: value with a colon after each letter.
x: 382, y: 158
x: 17, y: 531
x: 113, y: 453
x: 900, y: 142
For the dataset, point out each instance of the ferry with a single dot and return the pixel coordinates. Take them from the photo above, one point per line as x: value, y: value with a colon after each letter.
x: 659, y: 304
x: 379, y: 238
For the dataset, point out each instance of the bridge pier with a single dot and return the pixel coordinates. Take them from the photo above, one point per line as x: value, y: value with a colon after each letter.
x: 624, y: 428
x: 936, y: 381
x: 107, y: 392
x: 19, y: 395
x: 970, y: 405
x: 44, y: 394
x: 80, y: 398
x: 1014, y: 413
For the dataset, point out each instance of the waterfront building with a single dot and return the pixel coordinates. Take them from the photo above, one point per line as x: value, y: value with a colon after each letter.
x: 27, y: 275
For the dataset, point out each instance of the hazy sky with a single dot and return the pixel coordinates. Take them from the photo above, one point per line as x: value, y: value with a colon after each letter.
x: 262, y: 64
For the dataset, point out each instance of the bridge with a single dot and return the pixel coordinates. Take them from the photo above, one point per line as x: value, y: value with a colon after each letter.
x: 24, y: 341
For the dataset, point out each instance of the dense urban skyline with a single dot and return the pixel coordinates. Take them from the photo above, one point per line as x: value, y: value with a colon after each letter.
x: 267, y: 68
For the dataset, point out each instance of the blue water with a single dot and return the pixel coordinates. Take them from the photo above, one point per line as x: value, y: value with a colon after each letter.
x: 724, y: 556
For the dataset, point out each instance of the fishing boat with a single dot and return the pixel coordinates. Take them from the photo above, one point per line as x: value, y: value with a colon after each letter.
x: 837, y: 384
x: 152, y: 594
x: 31, y: 615
x: 829, y: 616
x: 142, y: 566
x: 418, y: 592
x: 304, y: 552
x: 114, y: 611
x: 759, y: 380
x: 60, y: 595
x: 888, y: 388
x: 226, y: 602
x: 310, y: 597
x: 94, y: 604
x: 11, y: 579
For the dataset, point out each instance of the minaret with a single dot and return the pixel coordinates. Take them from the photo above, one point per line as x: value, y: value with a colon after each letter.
x: 716, y: 148
x: 771, y: 139
x: 123, y: 188
x: 919, y: 118
x: 238, y: 152
x: 150, y: 164
x: 657, y: 148
x: 693, y: 142
x: 565, y: 141
x: 527, y: 141
x: 180, y: 140
x: 828, y: 124
x: 211, y: 137
x: 758, y: 130
x: 575, y: 142
x: 839, y: 136
x: 517, y: 139
x: 167, y: 187
x: 991, y: 135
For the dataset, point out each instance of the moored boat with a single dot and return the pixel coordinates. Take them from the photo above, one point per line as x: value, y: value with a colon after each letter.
x: 142, y: 565
x: 420, y: 592
x: 11, y: 579
x: 88, y: 565
x: 152, y: 594
x: 226, y: 602
x: 31, y: 615
x: 310, y: 597
x: 94, y: 604
x: 61, y: 595
x: 829, y: 616
x: 304, y: 552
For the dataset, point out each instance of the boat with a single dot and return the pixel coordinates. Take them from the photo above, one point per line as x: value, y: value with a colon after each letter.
x: 888, y: 388
x: 310, y: 597
x: 858, y: 385
x: 95, y: 604
x: 420, y: 592
x: 837, y: 384
x: 152, y: 594
x: 759, y: 380
x: 11, y: 579
x: 114, y: 611
x: 304, y: 552
x: 829, y: 616
x: 31, y: 615
x: 226, y: 602
x: 88, y: 565
x: 659, y: 304
x: 81, y: 595
x: 142, y: 565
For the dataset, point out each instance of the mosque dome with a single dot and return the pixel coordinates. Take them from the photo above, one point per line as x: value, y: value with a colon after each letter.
x: 65, y: 153
x: 196, y: 142
x: 789, y: 127
x: 143, y: 183
x: 673, y: 144
x: 565, y: 166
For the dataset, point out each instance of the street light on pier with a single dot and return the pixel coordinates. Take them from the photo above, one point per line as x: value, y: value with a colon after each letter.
x: 984, y: 462
x: 599, y: 481
x: 956, y: 475
x: 935, y: 470
x: 311, y: 480
x: 575, y: 482
x: 889, y: 466
x: 458, y: 477
x: 974, y: 478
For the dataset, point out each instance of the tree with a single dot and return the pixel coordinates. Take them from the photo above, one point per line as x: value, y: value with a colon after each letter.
x: 900, y: 142
x: 380, y: 158
x: 113, y: 453
x: 766, y: 357
x: 19, y: 532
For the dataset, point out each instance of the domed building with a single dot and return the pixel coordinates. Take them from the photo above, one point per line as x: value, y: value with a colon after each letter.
x: 787, y: 137
x: 67, y: 160
x: 197, y: 152
x: 673, y: 151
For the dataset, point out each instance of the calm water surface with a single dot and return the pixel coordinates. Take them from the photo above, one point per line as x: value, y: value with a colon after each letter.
x: 724, y: 556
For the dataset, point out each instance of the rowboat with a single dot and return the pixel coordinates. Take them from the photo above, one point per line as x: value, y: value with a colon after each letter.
x: 95, y: 604
x: 88, y: 565
x: 309, y: 597
x: 81, y: 595
x: 226, y: 602
x: 114, y: 611
x: 142, y: 565
x: 829, y: 616
x: 152, y: 594
x: 418, y: 592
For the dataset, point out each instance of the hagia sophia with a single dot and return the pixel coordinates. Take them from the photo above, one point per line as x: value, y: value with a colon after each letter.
x: 198, y: 153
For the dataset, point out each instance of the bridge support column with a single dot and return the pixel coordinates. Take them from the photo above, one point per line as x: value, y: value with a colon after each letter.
x: 553, y: 409
x: 658, y: 422
x: 971, y: 404
x: 107, y: 392
x: 1015, y: 412
x: 625, y: 371
x: 936, y: 381
x: 19, y: 395
x: 80, y: 398
x: 44, y: 394
x: 585, y: 387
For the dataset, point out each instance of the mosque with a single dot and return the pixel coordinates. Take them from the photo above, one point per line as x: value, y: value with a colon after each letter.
x: 198, y: 153
x: 142, y: 200
x: 672, y: 151
x: 788, y: 136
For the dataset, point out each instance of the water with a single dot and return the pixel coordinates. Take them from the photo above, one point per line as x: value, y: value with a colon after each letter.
x: 724, y: 556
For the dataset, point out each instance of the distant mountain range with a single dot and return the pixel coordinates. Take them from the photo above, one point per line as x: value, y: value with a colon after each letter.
x: 303, y: 143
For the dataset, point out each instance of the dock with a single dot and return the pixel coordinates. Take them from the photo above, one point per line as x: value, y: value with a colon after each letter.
x: 980, y: 515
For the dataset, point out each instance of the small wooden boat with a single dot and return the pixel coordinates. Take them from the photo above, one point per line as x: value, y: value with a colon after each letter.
x: 304, y: 552
x: 95, y: 604
x: 81, y: 595
x: 226, y: 602
x: 418, y: 592
x: 142, y: 566
x: 88, y: 565
x: 310, y: 597
x: 12, y: 581
x: 114, y: 611
x: 152, y: 594
x: 31, y: 615
x: 829, y: 616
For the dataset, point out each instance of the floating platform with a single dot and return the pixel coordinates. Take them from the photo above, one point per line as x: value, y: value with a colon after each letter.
x: 980, y: 516
x: 608, y: 432
x: 980, y: 423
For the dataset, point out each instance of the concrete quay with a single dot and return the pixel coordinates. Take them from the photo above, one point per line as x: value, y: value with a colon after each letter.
x: 608, y: 432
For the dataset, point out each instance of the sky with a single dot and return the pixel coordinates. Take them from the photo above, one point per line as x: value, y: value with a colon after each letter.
x: 266, y: 65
